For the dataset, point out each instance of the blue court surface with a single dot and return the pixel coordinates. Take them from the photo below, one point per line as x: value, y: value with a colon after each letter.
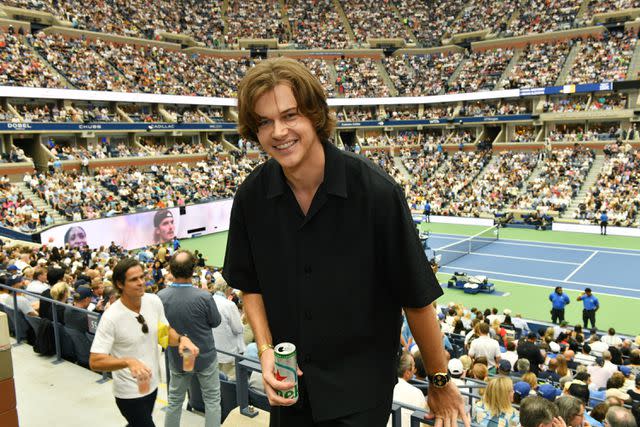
x: 604, y: 270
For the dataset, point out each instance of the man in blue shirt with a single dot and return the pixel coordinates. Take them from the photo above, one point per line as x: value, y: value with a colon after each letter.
x: 604, y: 221
x: 590, y: 306
x: 427, y: 211
x: 558, y: 300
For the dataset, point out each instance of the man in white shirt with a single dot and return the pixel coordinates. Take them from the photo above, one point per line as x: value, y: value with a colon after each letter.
x: 17, y: 282
x: 485, y: 346
x: 39, y: 283
x: 404, y: 392
x: 126, y: 343
x: 229, y: 335
x: 598, y: 347
x: 611, y: 339
x: 584, y: 358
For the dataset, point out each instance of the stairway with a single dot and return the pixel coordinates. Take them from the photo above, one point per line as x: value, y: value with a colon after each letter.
x: 39, y: 203
x: 50, y: 66
x: 568, y: 63
x: 397, y: 161
x: 456, y: 73
x: 634, y: 66
x: 535, y: 173
x: 382, y: 72
x: 345, y: 21
x: 512, y: 63
x: 596, y: 168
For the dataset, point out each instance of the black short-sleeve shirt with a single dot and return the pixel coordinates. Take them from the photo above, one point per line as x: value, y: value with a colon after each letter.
x: 333, y: 281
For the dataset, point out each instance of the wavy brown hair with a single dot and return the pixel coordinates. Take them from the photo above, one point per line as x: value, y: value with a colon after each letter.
x: 309, y: 94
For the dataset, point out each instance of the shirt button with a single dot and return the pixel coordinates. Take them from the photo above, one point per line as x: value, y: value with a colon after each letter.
x: 307, y: 269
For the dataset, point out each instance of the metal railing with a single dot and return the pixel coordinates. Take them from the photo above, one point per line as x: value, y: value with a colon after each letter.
x: 92, y: 319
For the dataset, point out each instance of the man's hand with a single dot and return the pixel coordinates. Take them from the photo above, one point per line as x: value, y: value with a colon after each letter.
x: 558, y: 422
x: 446, y: 406
x: 185, y: 342
x: 271, y: 384
x: 138, y: 369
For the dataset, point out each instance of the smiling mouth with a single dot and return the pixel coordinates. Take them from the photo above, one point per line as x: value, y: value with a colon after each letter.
x: 286, y: 145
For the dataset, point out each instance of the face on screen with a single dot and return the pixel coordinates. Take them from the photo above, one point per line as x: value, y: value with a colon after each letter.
x: 166, y: 230
x: 76, y: 237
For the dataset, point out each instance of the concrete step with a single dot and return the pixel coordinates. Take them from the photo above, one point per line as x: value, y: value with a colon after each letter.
x: 596, y: 168
x: 40, y: 203
x: 568, y: 63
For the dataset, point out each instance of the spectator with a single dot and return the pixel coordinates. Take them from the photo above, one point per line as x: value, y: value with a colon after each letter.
x: 538, y: 412
x: 229, y: 334
x: 619, y: 417
x: 403, y: 391
x: 496, y: 404
x: 485, y: 346
x: 195, y: 313
x: 77, y: 319
x: 571, y: 409
x: 528, y: 349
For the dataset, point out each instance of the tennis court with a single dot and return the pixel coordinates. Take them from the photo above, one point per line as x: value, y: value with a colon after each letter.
x: 605, y: 270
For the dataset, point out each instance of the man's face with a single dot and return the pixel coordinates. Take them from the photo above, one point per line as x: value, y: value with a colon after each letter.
x: 77, y: 238
x: 167, y: 229
x: 134, y: 286
x: 577, y: 420
x: 283, y: 132
x: 559, y: 291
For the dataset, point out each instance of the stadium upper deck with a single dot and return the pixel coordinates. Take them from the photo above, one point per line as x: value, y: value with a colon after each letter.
x: 326, y: 24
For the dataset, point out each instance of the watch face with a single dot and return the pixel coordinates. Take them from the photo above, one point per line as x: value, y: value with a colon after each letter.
x: 440, y: 380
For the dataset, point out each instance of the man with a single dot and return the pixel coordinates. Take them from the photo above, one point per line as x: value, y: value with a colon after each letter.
x: 194, y: 312
x: 164, y: 228
x: 504, y: 368
x: 550, y: 374
x: 404, y: 392
x: 323, y: 205
x: 571, y: 409
x: 590, y: 306
x: 536, y: 411
x: 18, y: 283
x: 528, y: 349
x: 39, y: 283
x: 611, y: 339
x: 604, y: 221
x: 601, y: 371
x: 76, y: 319
x: 485, y: 346
x: 126, y: 343
x: 618, y: 416
x: 229, y: 335
x: 559, y: 300
x: 427, y: 211
x: 510, y: 355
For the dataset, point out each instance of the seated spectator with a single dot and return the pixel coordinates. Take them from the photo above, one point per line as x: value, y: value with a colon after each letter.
x: 59, y: 292
x: 619, y: 417
x: 548, y: 391
x: 521, y: 390
x: 550, y: 374
x: 18, y: 282
x: 495, y: 406
x: 537, y: 412
x: 405, y: 392
x: 77, y: 319
x: 572, y: 410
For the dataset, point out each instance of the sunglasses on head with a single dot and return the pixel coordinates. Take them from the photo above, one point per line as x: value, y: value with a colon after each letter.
x: 145, y: 327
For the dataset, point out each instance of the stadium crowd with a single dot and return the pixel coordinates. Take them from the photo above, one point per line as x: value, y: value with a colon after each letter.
x: 561, y: 177
x: 422, y: 75
x: 539, y: 66
x: 481, y: 71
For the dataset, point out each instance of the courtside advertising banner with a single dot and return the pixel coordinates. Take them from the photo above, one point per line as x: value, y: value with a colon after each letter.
x: 137, y: 230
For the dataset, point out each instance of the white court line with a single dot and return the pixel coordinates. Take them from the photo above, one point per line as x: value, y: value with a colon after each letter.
x: 602, y: 251
x: 551, y: 287
x: 525, y: 259
x: 542, y: 278
x: 580, y: 266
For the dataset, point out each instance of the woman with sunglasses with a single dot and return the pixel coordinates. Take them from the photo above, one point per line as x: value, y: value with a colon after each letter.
x: 126, y: 343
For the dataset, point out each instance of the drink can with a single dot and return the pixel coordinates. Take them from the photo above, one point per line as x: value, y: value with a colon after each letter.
x: 287, y: 369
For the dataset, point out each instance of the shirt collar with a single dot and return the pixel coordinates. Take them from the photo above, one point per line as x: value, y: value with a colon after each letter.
x: 335, y: 181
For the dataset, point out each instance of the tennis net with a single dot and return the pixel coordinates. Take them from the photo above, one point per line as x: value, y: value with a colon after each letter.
x: 456, y: 250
